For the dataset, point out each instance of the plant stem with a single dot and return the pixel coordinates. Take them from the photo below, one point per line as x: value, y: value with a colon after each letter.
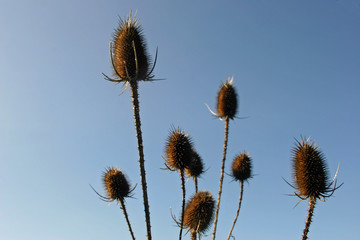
x: 183, y: 202
x: 127, y: 218
x: 238, y: 210
x: 193, y: 235
x: 196, y: 184
x: 221, y: 175
x: 135, y: 101
x: 312, y: 202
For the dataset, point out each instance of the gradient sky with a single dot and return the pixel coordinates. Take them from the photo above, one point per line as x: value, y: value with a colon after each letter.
x: 296, y: 68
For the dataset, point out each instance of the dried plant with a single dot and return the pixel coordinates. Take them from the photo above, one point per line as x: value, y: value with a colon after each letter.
x: 117, y: 188
x: 241, y: 171
x: 199, y: 213
x: 195, y: 169
x: 311, y: 177
x: 227, y: 104
x: 130, y: 63
x: 179, y: 154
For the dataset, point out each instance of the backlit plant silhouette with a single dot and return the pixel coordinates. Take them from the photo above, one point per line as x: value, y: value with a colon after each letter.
x: 131, y: 64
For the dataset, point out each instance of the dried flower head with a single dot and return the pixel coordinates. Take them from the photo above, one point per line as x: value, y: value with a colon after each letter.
x: 196, y: 167
x: 129, y: 57
x: 179, y: 151
x: 241, y: 167
x: 116, y: 185
x: 310, y: 171
x: 227, y: 100
x: 199, y: 212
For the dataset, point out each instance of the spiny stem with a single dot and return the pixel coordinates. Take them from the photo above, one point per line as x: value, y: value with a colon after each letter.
x: 221, y: 175
x: 238, y: 210
x: 312, y: 202
x: 196, y: 184
x: 135, y: 101
x: 127, y: 218
x: 183, y: 202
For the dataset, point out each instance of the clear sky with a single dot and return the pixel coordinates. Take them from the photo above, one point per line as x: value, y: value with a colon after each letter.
x: 296, y: 68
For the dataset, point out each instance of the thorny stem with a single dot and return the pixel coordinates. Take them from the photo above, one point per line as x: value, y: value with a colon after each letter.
x: 312, y: 202
x: 196, y: 184
x: 135, y: 101
x: 127, y: 218
x: 183, y: 202
x: 237, y: 213
x: 221, y: 175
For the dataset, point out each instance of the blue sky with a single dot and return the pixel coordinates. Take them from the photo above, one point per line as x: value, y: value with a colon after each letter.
x: 296, y: 70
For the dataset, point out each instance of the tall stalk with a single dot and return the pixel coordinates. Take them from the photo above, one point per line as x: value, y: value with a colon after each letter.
x: 182, y: 175
x: 221, y: 175
x: 238, y: 210
x: 135, y: 101
x: 127, y: 218
x: 312, y: 202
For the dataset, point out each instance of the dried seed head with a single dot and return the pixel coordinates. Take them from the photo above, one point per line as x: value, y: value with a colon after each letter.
x: 241, y: 167
x: 199, y: 211
x: 227, y: 100
x: 129, y: 54
x: 310, y: 172
x: 178, y: 150
x: 116, y: 185
x: 196, y: 167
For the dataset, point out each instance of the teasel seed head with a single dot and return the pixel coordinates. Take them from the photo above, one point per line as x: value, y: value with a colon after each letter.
x: 179, y: 151
x: 117, y: 186
x: 196, y: 167
x: 241, y: 167
x: 310, y: 171
x: 128, y: 50
x: 199, y: 212
x: 227, y: 102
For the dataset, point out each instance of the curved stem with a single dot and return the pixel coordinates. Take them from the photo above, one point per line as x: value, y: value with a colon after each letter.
x: 312, y: 202
x: 221, y: 175
x: 135, y: 101
x: 127, y: 218
x: 238, y: 210
x: 183, y: 202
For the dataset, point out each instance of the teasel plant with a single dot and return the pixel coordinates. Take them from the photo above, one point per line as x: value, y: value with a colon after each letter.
x: 199, y: 213
x: 241, y: 171
x: 179, y: 154
x: 195, y: 169
x: 227, y: 105
x: 310, y: 175
x: 117, y: 188
x: 131, y: 64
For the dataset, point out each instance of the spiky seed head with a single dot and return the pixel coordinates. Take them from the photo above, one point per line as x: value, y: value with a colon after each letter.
x: 310, y: 171
x: 116, y: 185
x: 227, y: 100
x: 241, y: 167
x: 199, y: 212
x: 179, y: 150
x: 128, y: 48
x: 196, y: 167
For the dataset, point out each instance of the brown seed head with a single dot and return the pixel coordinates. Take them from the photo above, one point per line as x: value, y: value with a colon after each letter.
x: 196, y: 167
x: 178, y: 150
x: 227, y: 100
x: 129, y: 54
x: 199, y: 211
x: 310, y: 172
x: 116, y: 185
x: 241, y: 167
